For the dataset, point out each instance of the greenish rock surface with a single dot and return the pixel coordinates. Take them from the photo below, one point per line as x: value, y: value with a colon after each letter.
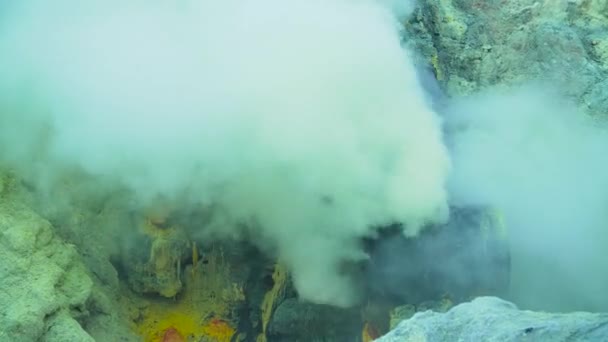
x: 58, y: 283
x: 472, y: 45
x: 45, y: 285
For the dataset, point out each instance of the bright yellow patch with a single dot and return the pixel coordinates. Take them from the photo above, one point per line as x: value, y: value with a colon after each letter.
x: 272, y: 298
x: 159, y: 318
x: 436, y: 67
x: 201, y: 310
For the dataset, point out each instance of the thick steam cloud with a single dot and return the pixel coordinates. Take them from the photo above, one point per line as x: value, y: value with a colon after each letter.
x: 542, y: 162
x: 301, y: 120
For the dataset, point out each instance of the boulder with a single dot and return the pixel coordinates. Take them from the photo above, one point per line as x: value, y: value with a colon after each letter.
x: 493, y: 319
x: 295, y: 320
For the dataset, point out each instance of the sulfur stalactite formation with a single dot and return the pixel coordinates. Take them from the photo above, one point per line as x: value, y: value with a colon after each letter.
x: 174, y: 287
x: 203, y: 310
x: 161, y: 272
x: 191, y: 291
x: 196, y: 301
x: 272, y: 298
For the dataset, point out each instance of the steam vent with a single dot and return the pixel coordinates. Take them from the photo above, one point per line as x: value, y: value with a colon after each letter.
x: 303, y: 171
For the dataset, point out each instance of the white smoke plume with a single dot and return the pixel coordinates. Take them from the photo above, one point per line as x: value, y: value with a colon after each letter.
x: 303, y: 119
x: 543, y: 163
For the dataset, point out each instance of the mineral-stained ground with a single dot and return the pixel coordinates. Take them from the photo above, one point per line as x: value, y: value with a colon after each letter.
x: 96, y: 269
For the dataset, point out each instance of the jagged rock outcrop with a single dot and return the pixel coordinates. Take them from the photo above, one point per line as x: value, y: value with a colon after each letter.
x: 472, y: 45
x: 45, y: 286
x: 57, y: 280
x: 493, y: 319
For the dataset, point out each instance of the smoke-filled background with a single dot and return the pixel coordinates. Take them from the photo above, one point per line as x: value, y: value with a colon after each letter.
x: 543, y: 163
x: 302, y: 121
x: 304, y: 125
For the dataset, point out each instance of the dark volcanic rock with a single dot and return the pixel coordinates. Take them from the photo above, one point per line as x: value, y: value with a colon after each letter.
x: 296, y: 321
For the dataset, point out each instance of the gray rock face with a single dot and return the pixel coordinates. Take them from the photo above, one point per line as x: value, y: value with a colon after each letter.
x: 45, y: 287
x: 492, y: 319
x: 472, y: 45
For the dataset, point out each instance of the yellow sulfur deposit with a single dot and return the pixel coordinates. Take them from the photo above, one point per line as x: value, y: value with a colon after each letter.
x: 369, y: 333
x: 158, y: 318
x: 272, y: 298
x: 218, y: 331
x: 202, y: 311
x: 436, y: 67
x: 184, y: 317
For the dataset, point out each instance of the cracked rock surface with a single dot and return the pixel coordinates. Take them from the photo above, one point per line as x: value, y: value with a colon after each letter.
x: 45, y: 285
x: 472, y: 45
